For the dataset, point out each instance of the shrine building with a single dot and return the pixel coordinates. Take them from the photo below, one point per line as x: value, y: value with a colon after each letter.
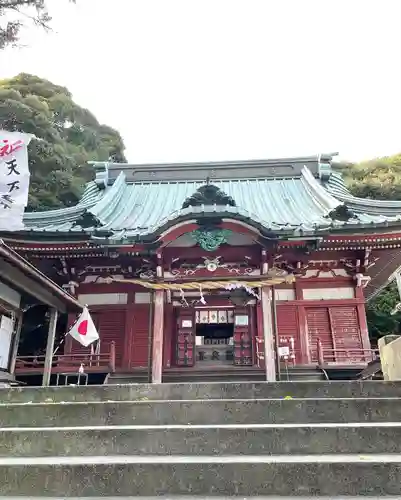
x: 237, y: 270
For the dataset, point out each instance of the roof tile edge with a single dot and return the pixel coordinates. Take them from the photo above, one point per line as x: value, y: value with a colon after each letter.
x: 319, y: 165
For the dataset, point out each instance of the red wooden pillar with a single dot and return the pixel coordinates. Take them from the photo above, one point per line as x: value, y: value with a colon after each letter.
x: 254, y: 332
x: 158, y: 321
x: 129, y: 332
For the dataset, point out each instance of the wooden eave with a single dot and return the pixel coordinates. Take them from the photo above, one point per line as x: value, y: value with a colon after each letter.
x: 21, y: 275
x: 100, y: 239
x: 89, y: 249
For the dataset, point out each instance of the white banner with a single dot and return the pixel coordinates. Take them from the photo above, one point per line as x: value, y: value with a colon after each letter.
x: 14, y: 179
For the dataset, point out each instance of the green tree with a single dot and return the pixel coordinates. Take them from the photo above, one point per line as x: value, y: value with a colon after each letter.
x: 14, y: 14
x: 378, y: 179
x: 67, y: 137
x: 378, y: 312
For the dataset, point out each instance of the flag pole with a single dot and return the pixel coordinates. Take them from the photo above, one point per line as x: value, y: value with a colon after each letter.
x: 49, y: 347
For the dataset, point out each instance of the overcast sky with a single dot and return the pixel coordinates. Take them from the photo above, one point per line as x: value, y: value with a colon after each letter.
x: 188, y: 80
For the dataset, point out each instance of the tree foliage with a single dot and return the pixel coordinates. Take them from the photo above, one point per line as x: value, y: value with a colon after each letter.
x: 378, y: 179
x: 67, y: 137
x: 14, y: 14
x: 378, y: 312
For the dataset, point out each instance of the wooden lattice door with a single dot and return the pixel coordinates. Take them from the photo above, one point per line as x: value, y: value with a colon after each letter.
x: 319, y: 329
x: 347, y: 337
x: 185, y: 339
x: 242, y: 337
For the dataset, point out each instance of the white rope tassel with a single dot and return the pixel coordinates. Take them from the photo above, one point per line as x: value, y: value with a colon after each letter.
x: 202, y: 299
x: 183, y: 299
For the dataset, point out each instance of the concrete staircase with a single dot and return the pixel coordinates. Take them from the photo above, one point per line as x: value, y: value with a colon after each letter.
x: 235, y: 439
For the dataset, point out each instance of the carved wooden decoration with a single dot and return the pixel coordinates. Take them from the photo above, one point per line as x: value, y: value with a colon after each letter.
x: 208, y: 194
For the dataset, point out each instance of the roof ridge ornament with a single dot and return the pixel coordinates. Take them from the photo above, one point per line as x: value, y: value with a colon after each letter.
x: 325, y: 166
x: 101, y: 173
x: 208, y: 194
x: 87, y: 221
x: 341, y: 213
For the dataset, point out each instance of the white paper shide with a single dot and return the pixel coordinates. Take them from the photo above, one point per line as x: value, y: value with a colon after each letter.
x: 14, y: 179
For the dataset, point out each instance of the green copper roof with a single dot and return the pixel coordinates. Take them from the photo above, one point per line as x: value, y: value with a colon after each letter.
x: 63, y: 219
x: 289, y: 195
x: 362, y: 206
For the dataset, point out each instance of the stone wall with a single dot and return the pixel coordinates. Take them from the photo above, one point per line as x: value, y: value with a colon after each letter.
x: 390, y: 356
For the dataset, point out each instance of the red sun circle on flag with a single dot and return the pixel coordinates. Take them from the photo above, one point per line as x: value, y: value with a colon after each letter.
x: 83, y: 327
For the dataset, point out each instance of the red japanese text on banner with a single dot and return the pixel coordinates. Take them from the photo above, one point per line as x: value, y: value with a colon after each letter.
x: 14, y: 179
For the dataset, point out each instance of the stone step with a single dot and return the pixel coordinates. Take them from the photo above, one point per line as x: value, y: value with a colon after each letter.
x: 201, y: 412
x: 202, y: 497
x: 308, y: 475
x: 249, y: 390
x: 202, y: 440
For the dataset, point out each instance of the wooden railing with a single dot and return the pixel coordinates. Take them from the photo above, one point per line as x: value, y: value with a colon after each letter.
x: 323, y: 356
x: 103, y: 362
x: 345, y: 356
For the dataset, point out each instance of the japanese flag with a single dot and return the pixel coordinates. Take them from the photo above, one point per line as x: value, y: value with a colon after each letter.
x: 84, y: 330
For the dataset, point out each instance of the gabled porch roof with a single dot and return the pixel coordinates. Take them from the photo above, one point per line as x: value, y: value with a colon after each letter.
x: 22, y: 276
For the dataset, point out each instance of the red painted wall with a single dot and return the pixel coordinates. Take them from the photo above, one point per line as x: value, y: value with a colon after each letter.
x: 139, y: 336
x: 339, y: 324
x: 287, y: 328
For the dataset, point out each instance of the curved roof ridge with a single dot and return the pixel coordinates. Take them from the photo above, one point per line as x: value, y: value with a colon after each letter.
x: 336, y: 186
x: 90, y: 197
x: 101, y: 165
x: 327, y: 201
x: 109, y: 202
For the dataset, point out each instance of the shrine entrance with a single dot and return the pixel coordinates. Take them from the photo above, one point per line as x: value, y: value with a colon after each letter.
x: 213, y: 337
x: 214, y: 344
